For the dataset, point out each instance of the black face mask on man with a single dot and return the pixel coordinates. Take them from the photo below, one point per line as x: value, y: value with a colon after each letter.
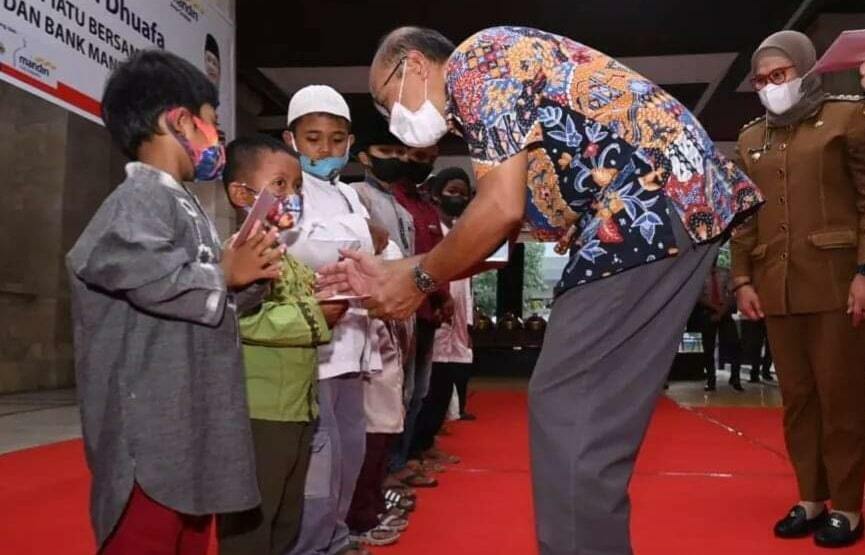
x: 453, y: 206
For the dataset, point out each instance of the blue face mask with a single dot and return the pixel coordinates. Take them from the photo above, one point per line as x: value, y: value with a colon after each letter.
x: 327, y: 168
x: 293, y: 204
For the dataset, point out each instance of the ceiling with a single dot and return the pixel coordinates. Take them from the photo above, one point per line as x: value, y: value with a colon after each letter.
x: 698, y: 50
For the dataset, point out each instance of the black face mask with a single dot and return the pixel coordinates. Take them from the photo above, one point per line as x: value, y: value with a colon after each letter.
x: 417, y: 172
x: 388, y: 170
x: 453, y: 206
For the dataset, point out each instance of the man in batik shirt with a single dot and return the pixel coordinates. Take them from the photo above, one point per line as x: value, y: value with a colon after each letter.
x: 624, y: 178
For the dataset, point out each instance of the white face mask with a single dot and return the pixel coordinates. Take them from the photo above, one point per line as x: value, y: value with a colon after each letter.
x: 780, y: 98
x: 419, y: 129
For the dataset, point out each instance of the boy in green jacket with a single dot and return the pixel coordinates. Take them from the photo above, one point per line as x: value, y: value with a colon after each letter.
x: 280, y: 337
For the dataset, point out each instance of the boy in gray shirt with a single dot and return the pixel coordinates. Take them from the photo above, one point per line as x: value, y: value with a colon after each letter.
x: 157, y: 353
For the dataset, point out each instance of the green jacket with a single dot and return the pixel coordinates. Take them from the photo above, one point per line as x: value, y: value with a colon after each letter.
x: 279, y: 348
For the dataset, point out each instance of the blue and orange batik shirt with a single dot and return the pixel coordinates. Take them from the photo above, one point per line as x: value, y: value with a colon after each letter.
x: 611, y: 156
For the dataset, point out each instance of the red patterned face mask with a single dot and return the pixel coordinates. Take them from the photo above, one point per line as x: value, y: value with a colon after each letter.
x: 207, y: 159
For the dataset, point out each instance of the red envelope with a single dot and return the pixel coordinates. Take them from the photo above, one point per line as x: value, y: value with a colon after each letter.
x: 847, y: 52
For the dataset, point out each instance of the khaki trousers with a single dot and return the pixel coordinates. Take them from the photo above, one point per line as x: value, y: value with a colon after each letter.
x: 820, y: 360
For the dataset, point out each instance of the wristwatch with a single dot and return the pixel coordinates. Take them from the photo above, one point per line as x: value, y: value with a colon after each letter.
x: 860, y: 270
x: 423, y: 281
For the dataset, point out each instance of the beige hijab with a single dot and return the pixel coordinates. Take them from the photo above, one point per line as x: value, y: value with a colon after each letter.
x: 800, y: 50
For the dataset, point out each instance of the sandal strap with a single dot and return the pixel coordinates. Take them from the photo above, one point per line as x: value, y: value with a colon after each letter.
x: 387, y: 520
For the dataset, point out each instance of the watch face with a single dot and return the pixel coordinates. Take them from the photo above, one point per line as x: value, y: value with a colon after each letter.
x: 424, y: 282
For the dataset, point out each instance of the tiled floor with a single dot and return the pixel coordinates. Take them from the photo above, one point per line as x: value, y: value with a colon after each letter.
x: 691, y: 394
x: 33, y: 419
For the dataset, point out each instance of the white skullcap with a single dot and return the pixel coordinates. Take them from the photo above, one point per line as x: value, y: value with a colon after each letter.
x: 317, y: 99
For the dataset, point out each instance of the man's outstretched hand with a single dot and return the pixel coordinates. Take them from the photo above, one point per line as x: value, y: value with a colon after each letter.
x: 355, y: 274
x: 389, y: 285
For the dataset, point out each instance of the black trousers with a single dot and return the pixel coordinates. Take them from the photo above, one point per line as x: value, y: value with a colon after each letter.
x: 461, y: 380
x: 725, y: 329
x: 766, y: 361
x: 435, y: 406
x: 368, y: 501
x: 755, y: 349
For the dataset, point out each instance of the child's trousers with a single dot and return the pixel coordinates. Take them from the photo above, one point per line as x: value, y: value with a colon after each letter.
x: 148, y: 528
x: 282, y: 451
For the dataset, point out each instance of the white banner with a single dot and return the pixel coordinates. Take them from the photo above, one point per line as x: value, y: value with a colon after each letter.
x: 64, y: 50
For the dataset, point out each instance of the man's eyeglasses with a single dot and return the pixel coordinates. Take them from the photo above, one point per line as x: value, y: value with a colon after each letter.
x: 378, y: 106
x: 777, y: 76
x: 395, y: 69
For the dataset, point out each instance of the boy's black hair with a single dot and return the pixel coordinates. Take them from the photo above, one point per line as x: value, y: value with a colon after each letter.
x: 241, y: 153
x: 440, y: 179
x: 293, y: 125
x: 210, y: 45
x: 145, y: 86
x: 374, y: 132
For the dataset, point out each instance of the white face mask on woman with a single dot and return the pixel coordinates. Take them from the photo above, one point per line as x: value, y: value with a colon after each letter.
x: 419, y: 129
x: 780, y: 98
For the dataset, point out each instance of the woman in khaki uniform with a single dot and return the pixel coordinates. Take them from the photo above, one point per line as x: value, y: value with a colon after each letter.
x: 798, y: 263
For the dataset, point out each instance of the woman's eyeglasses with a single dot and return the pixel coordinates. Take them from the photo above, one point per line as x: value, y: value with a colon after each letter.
x: 777, y: 76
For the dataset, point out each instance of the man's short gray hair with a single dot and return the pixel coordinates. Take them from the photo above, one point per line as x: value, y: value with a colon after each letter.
x: 428, y: 42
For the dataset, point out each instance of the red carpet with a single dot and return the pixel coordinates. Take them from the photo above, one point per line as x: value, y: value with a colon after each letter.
x: 709, y: 482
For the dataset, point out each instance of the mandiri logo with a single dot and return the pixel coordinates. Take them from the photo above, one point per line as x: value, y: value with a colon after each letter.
x: 190, y: 10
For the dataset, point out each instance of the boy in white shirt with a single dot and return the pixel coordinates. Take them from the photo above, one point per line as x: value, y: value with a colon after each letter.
x: 319, y: 128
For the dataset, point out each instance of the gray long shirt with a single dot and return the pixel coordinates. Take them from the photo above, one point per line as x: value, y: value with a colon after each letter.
x: 157, y: 355
x: 384, y: 210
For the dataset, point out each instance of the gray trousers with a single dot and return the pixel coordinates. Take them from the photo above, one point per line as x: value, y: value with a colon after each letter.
x: 338, y: 450
x: 607, y: 352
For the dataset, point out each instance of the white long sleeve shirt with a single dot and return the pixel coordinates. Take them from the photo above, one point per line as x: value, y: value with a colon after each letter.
x: 335, y: 210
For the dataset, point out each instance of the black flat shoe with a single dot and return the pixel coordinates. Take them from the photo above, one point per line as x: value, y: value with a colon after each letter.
x: 836, y: 532
x: 796, y: 524
x: 737, y: 386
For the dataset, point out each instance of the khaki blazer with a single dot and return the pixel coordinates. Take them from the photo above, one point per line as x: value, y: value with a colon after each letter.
x: 802, y: 248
